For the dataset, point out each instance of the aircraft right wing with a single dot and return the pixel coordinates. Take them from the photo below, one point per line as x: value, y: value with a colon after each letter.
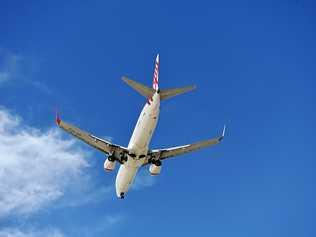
x: 161, y: 154
x: 102, y: 145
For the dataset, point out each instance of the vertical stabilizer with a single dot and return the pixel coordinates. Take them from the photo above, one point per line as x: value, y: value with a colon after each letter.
x: 156, y: 74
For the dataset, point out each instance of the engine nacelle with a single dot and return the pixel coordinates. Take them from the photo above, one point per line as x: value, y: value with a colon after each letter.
x: 155, y: 169
x: 109, y: 165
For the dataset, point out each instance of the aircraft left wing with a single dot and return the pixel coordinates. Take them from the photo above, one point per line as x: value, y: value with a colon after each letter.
x: 98, y: 143
x: 161, y: 154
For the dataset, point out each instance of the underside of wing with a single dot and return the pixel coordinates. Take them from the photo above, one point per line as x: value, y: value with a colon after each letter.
x: 168, y: 93
x: 161, y: 154
x: 98, y: 143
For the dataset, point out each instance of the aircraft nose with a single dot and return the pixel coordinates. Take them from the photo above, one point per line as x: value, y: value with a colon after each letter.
x: 124, y: 179
x: 119, y: 183
x: 120, y: 194
x: 120, y: 190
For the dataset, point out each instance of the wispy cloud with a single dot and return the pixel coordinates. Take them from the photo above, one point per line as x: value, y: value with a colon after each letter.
x: 36, y: 167
x: 17, y: 68
x: 103, y: 225
x: 15, y: 232
x: 39, y: 168
x: 8, y: 65
x: 143, y: 180
x: 86, y: 193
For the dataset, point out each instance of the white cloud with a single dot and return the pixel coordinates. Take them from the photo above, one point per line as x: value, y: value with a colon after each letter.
x: 100, y: 227
x: 14, y: 232
x: 36, y: 167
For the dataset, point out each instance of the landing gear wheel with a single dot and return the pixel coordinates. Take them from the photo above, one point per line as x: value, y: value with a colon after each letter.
x: 123, y: 158
x: 111, y: 158
x: 157, y: 162
x: 122, y: 196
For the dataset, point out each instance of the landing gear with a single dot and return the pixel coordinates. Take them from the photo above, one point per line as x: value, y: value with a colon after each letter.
x: 122, y: 196
x: 123, y: 158
x: 156, y: 162
x: 111, y: 158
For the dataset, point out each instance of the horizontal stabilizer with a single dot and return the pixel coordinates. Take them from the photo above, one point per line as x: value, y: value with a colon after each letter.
x: 140, y: 88
x: 168, y: 93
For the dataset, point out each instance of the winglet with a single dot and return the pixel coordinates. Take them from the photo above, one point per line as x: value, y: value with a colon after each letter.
x: 223, y: 133
x: 57, y: 119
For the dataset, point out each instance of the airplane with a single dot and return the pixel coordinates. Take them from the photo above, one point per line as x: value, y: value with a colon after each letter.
x: 137, y: 154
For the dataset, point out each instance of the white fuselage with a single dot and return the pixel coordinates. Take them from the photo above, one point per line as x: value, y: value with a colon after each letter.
x: 138, y: 145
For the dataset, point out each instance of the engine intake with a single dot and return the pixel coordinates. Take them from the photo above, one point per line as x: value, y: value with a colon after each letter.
x: 155, y: 167
x: 109, y: 164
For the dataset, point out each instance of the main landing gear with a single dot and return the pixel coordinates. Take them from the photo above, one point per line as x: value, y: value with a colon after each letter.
x: 111, y: 158
x: 123, y: 158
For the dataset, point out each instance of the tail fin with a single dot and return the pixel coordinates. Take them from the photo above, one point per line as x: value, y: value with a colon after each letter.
x: 156, y: 74
x: 149, y: 92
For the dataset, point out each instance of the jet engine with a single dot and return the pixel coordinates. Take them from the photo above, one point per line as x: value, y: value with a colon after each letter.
x: 155, y: 167
x: 109, y: 164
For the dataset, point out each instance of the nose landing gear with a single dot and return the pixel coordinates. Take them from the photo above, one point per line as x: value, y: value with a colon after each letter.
x: 122, y: 196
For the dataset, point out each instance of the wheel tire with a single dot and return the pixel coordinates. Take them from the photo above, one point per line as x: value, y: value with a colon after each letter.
x: 157, y: 163
x: 111, y: 158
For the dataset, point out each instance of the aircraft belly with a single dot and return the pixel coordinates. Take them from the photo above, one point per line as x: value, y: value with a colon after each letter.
x: 142, y: 134
x: 125, y: 178
x: 138, y: 145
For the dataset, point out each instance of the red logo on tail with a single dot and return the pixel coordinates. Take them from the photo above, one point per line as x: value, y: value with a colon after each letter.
x: 156, y: 74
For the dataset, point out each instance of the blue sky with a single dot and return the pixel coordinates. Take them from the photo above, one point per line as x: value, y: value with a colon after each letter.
x: 253, y: 64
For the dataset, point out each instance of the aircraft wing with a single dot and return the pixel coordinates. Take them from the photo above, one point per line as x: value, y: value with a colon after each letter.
x: 162, y: 154
x: 98, y: 143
